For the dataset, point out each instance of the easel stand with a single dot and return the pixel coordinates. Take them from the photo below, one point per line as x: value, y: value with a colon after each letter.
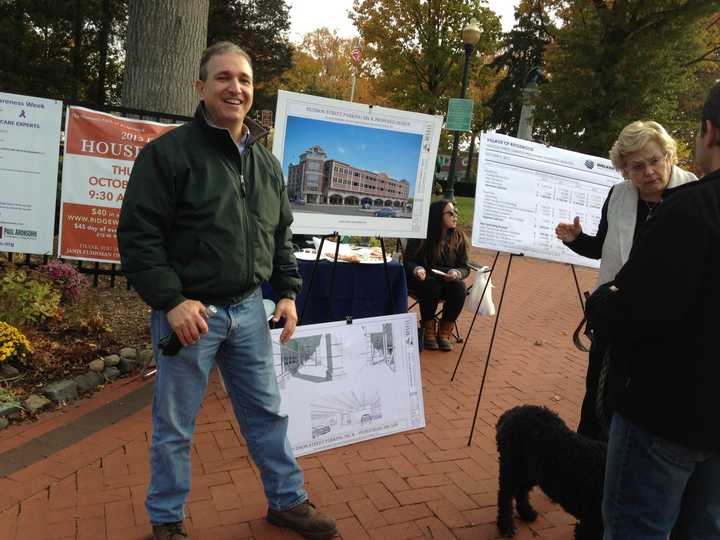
x: 391, y: 298
x: 314, y: 269
x: 495, y: 325
x: 492, y: 337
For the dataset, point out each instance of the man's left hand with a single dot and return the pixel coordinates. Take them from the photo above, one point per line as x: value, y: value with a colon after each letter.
x: 285, y: 309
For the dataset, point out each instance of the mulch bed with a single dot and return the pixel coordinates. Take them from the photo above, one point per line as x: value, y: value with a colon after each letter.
x: 60, y: 352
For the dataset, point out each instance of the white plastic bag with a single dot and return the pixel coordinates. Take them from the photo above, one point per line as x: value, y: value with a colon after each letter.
x: 487, y: 307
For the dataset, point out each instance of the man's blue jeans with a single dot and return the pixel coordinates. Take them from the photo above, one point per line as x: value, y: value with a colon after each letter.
x: 239, y: 339
x: 653, y: 485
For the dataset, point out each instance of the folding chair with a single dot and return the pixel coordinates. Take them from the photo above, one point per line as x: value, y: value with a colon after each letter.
x: 441, y: 304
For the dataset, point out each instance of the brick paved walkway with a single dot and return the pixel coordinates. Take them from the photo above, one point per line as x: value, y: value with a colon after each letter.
x: 423, y: 484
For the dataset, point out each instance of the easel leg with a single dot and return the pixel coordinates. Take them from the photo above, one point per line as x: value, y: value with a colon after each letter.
x: 477, y: 310
x: 312, y: 279
x: 332, y: 277
x: 492, y: 340
x: 387, y: 278
x: 577, y: 286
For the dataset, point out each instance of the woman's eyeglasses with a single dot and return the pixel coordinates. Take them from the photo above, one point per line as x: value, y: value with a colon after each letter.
x: 451, y: 213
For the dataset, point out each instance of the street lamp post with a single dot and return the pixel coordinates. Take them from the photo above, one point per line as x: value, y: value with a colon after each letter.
x: 470, y: 37
x: 527, y: 112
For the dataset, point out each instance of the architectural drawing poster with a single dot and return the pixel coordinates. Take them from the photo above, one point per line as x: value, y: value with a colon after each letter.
x: 354, y: 168
x: 29, y: 150
x: 344, y: 383
x: 524, y: 189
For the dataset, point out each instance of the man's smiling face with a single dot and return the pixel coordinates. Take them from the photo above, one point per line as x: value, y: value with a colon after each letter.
x: 228, y: 90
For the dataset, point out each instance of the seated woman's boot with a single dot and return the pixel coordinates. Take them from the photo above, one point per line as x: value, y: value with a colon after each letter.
x: 429, y: 335
x: 445, y: 329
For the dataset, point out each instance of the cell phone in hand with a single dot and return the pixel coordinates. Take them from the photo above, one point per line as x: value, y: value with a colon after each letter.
x: 170, y: 345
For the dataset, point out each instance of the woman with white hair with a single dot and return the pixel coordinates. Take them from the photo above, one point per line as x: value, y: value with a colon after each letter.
x: 646, y: 156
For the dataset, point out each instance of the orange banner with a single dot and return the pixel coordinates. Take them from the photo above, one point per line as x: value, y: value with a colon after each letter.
x: 90, y: 232
x: 91, y: 133
x: 100, y: 149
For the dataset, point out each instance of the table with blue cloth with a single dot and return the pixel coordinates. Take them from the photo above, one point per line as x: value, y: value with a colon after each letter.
x: 360, y: 290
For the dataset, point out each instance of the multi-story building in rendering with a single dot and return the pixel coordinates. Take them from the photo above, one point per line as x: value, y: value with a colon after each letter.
x: 319, y: 180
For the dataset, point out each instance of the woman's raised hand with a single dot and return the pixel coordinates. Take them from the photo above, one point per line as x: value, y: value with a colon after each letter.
x: 568, y: 232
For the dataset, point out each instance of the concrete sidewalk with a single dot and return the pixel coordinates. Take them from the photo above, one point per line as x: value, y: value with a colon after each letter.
x: 422, y: 484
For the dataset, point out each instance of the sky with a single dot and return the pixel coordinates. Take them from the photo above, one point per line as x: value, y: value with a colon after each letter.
x: 309, y: 15
x: 379, y: 150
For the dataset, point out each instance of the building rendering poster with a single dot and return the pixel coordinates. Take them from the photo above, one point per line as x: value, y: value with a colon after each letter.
x: 353, y: 168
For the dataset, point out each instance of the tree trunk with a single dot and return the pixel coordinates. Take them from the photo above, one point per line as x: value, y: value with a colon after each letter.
x: 103, y: 37
x: 165, y: 39
x: 77, y: 64
x: 471, y: 151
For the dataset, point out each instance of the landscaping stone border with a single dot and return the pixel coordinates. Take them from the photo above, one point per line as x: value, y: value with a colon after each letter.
x: 57, y: 393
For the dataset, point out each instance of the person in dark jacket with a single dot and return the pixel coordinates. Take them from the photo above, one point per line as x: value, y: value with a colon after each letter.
x: 661, y: 313
x: 205, y: 220
x: 646, y: 155
x: 435, y: 269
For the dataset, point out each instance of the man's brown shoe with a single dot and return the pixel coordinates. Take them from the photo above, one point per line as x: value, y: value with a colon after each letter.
x: 169, y: 531
x: 305, y: 520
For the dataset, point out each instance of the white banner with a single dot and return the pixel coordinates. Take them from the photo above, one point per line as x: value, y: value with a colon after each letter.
x: 343, y: 383
x: 355, y: 169
x: 524, y: 189
x: 100, y: 150
x: 29, y: 153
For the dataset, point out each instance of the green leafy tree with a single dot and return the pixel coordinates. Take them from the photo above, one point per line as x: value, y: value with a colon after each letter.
x: 613, y: 62
x: 521, y: 50
x: 261, y: 28
x: 416, y: 46
x: 323, y: 66
x: 69, y: 49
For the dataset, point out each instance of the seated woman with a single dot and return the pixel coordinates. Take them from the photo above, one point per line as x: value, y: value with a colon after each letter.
x: 435, y: 269
x: 646, y: 156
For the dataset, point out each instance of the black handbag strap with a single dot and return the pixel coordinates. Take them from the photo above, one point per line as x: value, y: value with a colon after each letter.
x: 586, y: 331
x: 603, y: 410
x: 576, y: 336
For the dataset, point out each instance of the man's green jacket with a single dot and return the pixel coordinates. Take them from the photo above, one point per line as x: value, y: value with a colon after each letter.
x: 201, y: 221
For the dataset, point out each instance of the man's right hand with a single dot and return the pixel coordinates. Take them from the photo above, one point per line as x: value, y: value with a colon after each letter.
x: 189, y: 321
x: 568, y: 232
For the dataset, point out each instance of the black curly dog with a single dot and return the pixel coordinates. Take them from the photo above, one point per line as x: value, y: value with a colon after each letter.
x: 537, y: 449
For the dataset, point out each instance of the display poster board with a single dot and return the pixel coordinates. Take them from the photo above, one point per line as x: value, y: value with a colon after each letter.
x: 524, y: 189
x: 29, y: 153
x: 344, y: 383
x: 100, y: 149
x: 353, y: 168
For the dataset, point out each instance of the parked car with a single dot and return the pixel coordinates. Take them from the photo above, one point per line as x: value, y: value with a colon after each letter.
x: 385, y: 212
x: 299, y: 202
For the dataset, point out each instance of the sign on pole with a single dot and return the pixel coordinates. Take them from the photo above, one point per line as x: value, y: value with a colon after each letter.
x: 356, y: 54
x: 100, y: 150
x: 460, y: 114
x: 266, y: 118
x: 29, y: 149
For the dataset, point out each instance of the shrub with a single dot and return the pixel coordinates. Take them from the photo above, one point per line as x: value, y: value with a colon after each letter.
x: 13, y: 344
x: 71, y: 283
x: 25, y: 300
x: 86, y: 316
